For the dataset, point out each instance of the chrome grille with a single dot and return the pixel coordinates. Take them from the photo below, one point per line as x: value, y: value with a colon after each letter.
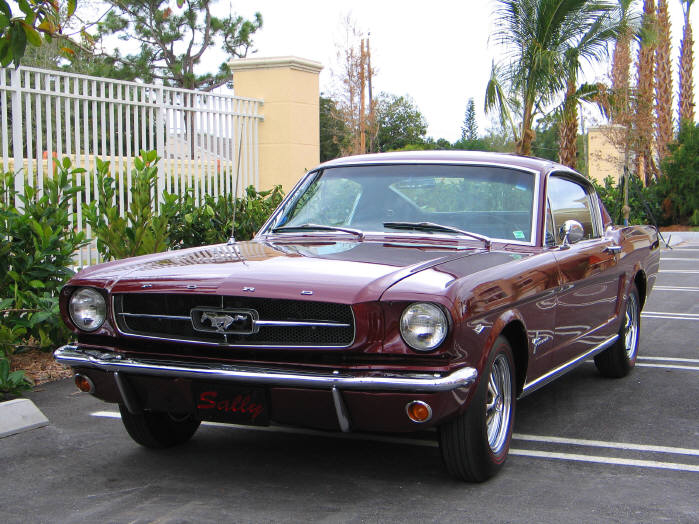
x: 281, y: 323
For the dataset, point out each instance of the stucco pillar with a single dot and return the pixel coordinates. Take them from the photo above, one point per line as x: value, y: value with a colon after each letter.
x: 289, y: 136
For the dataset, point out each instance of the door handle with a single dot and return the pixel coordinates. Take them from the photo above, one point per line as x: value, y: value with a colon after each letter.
x: 615, y: 250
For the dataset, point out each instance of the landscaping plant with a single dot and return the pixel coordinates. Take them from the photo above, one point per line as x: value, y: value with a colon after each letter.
x: 211, y: 221
x: 143, y: 226
x: 36, y: 255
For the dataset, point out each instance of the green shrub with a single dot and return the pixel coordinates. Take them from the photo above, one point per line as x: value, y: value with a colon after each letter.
x: 142, y: 227
x: 643, y: 201
x: 36, y: 254
x: 12, y: 383
x: 679, y: 184
x: 210, y: 222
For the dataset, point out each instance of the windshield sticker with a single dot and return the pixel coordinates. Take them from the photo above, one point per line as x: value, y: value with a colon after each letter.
x: 519, y: 235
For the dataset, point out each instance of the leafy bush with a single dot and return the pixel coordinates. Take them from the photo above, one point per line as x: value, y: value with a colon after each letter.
x: 643, y: 201
x: 11, y: 383
x: 142, y: 227
x: 210, y: 221
x: 36, y: 255
x: 679, y: 185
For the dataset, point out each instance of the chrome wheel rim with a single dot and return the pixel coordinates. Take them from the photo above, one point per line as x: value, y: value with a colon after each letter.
x: 498, y: 403
x: 631, y: 327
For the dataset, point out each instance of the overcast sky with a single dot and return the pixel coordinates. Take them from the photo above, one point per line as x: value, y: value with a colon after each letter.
x: 436, y: 51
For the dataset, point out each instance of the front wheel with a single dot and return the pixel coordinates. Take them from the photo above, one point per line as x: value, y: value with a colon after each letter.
x: 158, y: 430
x: 475, y: 444
x: 618, y: 360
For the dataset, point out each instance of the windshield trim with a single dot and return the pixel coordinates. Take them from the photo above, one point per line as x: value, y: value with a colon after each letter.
x: 265, y: 230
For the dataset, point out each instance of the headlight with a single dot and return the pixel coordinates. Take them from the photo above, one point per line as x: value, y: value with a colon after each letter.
x: 87, y: 309
x: 423, y: 326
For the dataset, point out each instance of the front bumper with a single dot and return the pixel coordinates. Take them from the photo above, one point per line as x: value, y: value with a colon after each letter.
x: 374, y: 384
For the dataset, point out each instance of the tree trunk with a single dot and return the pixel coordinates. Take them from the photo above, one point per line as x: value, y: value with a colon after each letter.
x: 568, y: 130
x: 686, y: 98
x: 663, y: 81
x: 644, y: 99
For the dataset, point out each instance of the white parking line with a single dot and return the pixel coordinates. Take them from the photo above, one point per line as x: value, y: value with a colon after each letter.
x: 682, y: 259
x: 663, y: 314
x: 605, y: 444
x: 513, y: 451
x: 682, y: 271
x: 674, y: 288
x: 667, y: 366
x: 670, y: 359
x: 604, y: 460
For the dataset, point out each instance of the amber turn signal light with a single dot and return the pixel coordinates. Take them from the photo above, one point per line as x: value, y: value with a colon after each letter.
x: 418, y: 411
x: 84, y: 383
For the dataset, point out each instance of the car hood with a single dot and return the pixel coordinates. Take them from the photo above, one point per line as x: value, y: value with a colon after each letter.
x: 345, y: 272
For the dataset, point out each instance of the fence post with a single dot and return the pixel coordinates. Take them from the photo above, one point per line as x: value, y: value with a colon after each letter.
x: 289, y: 136
x: 160, y: 144
x: 17, y: 142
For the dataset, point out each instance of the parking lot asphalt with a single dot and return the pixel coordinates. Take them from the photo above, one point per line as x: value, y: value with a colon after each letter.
x: 585, y: 449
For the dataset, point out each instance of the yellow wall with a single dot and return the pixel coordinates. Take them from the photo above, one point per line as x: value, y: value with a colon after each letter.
x: 289, y: 136
x: 604, y: 158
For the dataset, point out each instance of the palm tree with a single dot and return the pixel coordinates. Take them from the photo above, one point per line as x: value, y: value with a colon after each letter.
x: 663, y: 81
x: 537, y: 35
x: 590, y: 47
x: 686, y: 68
x: 645, y: 164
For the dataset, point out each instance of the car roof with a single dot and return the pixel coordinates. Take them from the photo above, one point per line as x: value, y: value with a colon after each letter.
x: 399, y: 157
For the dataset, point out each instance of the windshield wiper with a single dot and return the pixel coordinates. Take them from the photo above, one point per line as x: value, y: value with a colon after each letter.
x: 432, y: 226
x: 318, y: 227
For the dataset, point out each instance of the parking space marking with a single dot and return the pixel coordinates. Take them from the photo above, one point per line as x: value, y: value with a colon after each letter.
x: 604, y: 460
x: 676, y: 316
x: 513, y: 451
x: 682, y: 271
x: 667, y: 366
x: 671, y: 359
x: 674, y: 288
x: 604, y: 444
x: 682, y: 259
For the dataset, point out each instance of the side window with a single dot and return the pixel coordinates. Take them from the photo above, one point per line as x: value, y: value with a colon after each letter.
x: 568, y: 200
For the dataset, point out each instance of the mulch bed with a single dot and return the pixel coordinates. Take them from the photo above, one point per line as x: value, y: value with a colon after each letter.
x: 39, y: 366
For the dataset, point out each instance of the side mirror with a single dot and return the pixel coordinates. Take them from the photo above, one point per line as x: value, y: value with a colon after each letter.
x: 571, y: 232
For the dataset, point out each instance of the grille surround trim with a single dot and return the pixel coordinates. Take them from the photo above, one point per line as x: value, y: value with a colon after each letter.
x: 224, y: 343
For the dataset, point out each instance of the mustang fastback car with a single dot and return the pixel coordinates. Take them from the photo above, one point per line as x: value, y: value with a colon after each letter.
x: 388, y: 293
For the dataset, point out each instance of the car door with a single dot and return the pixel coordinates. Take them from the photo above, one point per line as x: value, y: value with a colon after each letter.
x: 588, y: 272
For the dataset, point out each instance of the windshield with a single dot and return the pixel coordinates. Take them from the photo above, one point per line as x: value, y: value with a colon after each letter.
x: 495, y: 202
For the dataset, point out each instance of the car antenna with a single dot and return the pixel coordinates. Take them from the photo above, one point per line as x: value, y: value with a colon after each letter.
x: 231, y: 240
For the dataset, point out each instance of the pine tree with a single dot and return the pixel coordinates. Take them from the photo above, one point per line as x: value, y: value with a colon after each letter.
x: 663, y: 81
x: 469, y: 131
x: 686, y: 98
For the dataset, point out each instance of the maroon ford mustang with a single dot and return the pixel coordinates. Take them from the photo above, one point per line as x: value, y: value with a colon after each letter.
x: 387, y: 293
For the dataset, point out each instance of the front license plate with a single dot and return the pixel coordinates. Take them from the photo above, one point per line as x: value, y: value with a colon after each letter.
x: 232, y: 405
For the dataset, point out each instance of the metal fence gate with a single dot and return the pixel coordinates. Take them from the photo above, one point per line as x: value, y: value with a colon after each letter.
x: 207, y: 142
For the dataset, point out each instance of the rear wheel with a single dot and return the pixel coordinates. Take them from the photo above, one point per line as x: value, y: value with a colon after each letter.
x: 618, y: 360
x: 474, y: 445
x: 158, y: 430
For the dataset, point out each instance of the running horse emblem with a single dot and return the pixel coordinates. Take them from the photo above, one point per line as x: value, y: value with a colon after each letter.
x: 222, y: 322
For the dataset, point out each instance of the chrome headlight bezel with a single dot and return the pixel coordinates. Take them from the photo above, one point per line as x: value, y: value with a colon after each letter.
x: 428, y: 317
x: 87, y: 303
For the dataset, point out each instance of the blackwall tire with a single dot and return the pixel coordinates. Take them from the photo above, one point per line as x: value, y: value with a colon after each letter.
x: 618, y: 360
x: 158, y: 430
x: 474, y: 445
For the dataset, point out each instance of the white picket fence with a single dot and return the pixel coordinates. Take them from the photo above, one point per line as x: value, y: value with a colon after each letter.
x: 206, y: 141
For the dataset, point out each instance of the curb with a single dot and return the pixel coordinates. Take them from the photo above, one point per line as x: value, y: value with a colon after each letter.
x: 20, y: 415
x: 674, y: 238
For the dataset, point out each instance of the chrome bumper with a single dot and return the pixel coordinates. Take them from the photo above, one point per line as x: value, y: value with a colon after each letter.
x: 76, y: 356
